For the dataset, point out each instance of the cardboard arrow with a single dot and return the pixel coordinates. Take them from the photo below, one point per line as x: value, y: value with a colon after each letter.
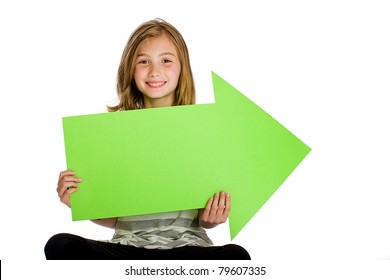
x: 175, y: 158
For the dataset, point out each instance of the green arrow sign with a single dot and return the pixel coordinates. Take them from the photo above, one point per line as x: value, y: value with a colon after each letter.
x: 175, y: 158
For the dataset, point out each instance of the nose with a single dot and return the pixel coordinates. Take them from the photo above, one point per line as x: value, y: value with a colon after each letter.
x: 154, y: 71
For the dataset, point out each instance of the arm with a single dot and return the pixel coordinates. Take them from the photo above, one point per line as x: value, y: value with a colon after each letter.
x: 68, y: 184
x: 109, y: 222
x: 216, y: 212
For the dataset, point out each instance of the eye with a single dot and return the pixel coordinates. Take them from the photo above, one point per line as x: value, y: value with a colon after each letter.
x: 143, y: 61
x: 166, y: 60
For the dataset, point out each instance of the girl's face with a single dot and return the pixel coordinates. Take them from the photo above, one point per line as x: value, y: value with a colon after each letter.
x: 157, y: 71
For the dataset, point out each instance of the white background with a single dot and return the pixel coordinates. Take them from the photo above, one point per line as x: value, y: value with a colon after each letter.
x: 321, y: 68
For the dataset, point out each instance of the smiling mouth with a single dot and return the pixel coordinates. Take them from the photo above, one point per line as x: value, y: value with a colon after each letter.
x: 155, y: 84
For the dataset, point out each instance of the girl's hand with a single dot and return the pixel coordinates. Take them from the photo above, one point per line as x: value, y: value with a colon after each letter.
x: 67, y: 184
x: 216, y: 212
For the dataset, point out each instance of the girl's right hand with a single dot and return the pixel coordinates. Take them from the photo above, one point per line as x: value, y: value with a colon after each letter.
x: 67, y: 184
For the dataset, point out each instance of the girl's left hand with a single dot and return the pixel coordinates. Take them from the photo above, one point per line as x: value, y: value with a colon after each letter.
x: 216, y: 212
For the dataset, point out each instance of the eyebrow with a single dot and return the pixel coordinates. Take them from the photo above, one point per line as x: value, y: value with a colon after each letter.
x: 161, y: 54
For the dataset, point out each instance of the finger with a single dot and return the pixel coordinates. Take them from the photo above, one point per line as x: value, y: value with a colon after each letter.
x: 71, y: 179
x: 66, y: 173
x: 222, y: 200
x: 227, y: 207
x: 214, y: 205
x: 221, y: 204
x: 206, y: 211
x: 71, y: 190
x: 65, y: 187
x: 65, y: 180
x: 68, y: 180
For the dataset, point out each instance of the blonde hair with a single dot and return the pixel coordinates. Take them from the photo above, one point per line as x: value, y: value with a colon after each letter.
x: 129, y: 96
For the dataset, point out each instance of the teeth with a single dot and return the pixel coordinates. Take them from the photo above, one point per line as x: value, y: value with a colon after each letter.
x: 157, y: 84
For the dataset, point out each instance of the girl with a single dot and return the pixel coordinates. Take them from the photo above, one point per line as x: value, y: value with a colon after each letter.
x: 154, y: 72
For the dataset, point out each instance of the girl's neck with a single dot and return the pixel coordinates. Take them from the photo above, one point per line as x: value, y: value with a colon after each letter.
x: 158, y: 102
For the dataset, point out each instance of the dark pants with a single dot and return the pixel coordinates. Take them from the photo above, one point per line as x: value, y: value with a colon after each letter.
x: 66, y: 246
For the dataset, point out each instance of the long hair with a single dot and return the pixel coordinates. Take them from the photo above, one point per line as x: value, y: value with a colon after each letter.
x: 129, y: 96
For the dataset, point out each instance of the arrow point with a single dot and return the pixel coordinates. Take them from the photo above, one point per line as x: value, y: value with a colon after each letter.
x: 265, y: 150
x: 218, y: 84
